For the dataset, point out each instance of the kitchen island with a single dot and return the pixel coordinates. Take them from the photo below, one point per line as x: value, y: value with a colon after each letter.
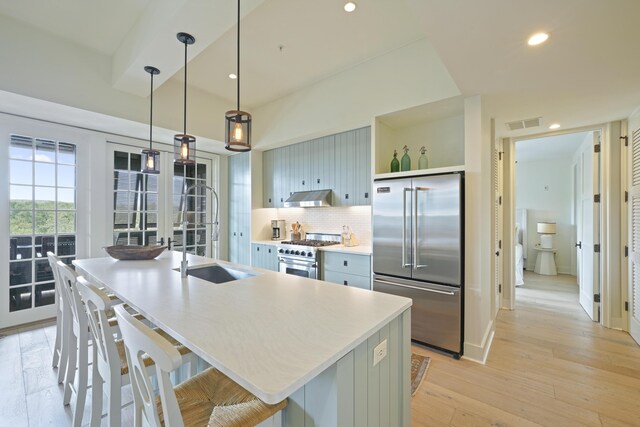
x: 280, y: 336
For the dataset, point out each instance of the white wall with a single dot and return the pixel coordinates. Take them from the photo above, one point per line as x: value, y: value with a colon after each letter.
x: 545, y: 189
x: 403, y: 78
x: 479, y: 323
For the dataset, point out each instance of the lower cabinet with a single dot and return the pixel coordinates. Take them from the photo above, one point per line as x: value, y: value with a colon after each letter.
x: 347, y: 269
x: 264, y: 256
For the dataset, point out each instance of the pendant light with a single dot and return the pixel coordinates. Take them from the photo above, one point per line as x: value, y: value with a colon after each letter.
x: 184, y: 145
x: 238, y: 123
x: 151, y: 157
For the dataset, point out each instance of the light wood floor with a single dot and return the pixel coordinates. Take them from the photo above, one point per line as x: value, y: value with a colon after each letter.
x: 549, y: 365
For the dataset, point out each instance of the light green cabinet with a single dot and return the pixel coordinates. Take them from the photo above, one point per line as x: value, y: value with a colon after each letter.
x: 264, y: 256
x: 347, y: 269
x: 240, y: 208
x: 340, y: 162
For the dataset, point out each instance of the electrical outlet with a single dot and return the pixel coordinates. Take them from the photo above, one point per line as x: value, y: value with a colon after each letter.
x: 380, y: 352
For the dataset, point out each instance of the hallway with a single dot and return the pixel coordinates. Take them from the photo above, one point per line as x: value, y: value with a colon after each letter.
x: 549, y: 365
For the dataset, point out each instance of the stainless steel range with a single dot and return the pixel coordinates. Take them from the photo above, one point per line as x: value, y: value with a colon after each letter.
x: 301, y: 257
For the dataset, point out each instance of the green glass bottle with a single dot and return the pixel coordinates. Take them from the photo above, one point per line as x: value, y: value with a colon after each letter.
x: 423, y: 162
x: 395, y: 164
x: 405, y: 163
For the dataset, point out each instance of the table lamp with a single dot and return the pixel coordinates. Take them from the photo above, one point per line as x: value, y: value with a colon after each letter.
x: 546, y: 230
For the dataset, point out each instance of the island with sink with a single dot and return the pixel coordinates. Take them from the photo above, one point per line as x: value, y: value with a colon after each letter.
x: 341, y: 355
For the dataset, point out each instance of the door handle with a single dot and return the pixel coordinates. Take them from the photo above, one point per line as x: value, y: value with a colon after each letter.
x: 404, y: 228
x: 435, y: 291
x: 416, y: 252
x: 579, y: 245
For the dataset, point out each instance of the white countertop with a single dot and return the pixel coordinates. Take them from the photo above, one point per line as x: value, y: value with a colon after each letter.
x: 359, y: 250
x: 271, y: 333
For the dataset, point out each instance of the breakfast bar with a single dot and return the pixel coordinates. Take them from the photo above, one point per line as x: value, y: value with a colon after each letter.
x: 340, y: 354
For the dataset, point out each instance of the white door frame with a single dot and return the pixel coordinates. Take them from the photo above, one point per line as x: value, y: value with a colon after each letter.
x: 83, y: 141
x: 509, y: 216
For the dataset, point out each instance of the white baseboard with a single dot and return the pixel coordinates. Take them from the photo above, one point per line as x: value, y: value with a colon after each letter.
x: 478, y: 353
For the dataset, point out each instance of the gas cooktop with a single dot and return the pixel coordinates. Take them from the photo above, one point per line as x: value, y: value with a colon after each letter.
x: 312, y: 243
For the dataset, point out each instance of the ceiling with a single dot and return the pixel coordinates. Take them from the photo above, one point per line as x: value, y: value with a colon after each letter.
x: 549, y: 148
x: 587, y: 73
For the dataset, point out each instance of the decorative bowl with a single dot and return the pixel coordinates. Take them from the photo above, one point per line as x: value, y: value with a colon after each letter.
x: 134, y: 252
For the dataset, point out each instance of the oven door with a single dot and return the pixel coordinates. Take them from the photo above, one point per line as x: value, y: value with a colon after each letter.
x: 308, y: 269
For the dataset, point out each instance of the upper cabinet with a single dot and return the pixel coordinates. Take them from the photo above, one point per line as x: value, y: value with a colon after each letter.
x: 340, y: 162
x: 438, y: 126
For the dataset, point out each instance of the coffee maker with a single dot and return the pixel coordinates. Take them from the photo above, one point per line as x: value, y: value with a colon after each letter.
x: 277, y: 229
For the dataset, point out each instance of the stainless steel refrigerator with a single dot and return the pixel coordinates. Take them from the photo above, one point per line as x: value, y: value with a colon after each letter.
x: 418, y: 237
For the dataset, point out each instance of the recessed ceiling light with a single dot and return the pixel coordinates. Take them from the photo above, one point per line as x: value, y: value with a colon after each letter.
x: 555, y: 126
x: 233, y: 76
x: 350, y: 6
x: 537, y: 39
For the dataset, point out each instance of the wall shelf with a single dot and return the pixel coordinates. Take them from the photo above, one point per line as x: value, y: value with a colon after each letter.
x: 420, y: 172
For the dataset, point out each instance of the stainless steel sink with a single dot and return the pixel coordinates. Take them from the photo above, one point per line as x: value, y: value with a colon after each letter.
x: 215, y: 273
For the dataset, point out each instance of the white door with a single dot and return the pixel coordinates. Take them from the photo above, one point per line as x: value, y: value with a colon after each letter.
x: 589, y: 256
x: 43, y: 185
x: 147, y: 208
x: 634, y: 238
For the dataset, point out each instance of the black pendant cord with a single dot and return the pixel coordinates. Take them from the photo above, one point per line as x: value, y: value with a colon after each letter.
x: 184, y: 132
x: 151, y: 117
x: 238, y: 59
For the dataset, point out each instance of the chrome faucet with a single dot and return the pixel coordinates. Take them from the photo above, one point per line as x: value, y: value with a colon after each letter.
x: 215, y: 232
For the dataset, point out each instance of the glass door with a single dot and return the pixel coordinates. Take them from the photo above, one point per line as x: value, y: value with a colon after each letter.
x: 147, y: 208
x: 42, y: 218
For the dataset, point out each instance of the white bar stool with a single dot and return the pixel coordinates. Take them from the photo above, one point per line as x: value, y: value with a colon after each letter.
x: 110, y: 366
x: 76, y: 335
x: 207, y: 399
x: 60, y: 349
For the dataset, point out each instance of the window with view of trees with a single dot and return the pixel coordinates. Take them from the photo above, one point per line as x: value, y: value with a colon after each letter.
x: 42, y: 217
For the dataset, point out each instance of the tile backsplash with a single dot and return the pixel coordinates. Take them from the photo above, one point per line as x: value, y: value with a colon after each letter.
x: 325, y: 220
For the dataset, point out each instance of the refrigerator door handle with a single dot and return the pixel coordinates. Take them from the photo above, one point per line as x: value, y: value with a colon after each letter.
x: 435, y: 291
x: 416, y: 252
x: 404, y: 228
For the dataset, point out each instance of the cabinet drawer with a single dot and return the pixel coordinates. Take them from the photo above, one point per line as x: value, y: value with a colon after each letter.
x: 347, y: 263
x: 363, y: 282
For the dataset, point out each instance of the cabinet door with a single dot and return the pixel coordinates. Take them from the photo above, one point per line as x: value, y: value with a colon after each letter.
x: 280, y: 175
x: 255, y: 255
x: 303, y: 161
x: 362, y: 162
x: 345, y: 168
x: 322, y: 163
x: 267, y: 179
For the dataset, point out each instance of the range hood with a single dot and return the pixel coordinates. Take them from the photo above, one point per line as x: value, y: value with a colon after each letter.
x: 309, y: 199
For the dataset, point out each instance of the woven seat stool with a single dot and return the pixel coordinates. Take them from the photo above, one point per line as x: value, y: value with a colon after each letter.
x: 110, y: 367
x: 208, y: 399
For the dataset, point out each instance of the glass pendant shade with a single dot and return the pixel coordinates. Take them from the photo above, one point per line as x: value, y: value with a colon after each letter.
x: 151, y: 157
x: 184, y: 149
x: 150, y: 161
x: 237, y: 131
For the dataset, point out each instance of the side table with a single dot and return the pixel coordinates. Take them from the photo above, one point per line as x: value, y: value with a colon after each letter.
x: 546, y: 262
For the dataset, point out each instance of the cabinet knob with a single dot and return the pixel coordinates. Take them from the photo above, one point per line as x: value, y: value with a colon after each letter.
x: 234, y: 233
x: 346, y: 196
x: 346, y: 263
x: 366, y: 195
x: 303, y: 182
x: 240, y: 234
x: 318, y: 180
x: 346, y: 283
x: 258, y: 249
x: 269, y: 200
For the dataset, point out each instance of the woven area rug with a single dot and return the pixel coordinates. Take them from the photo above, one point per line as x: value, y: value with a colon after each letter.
x: 419, y: 366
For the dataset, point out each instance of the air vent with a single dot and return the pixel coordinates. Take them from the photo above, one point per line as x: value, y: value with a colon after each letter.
x: 524, y: 124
